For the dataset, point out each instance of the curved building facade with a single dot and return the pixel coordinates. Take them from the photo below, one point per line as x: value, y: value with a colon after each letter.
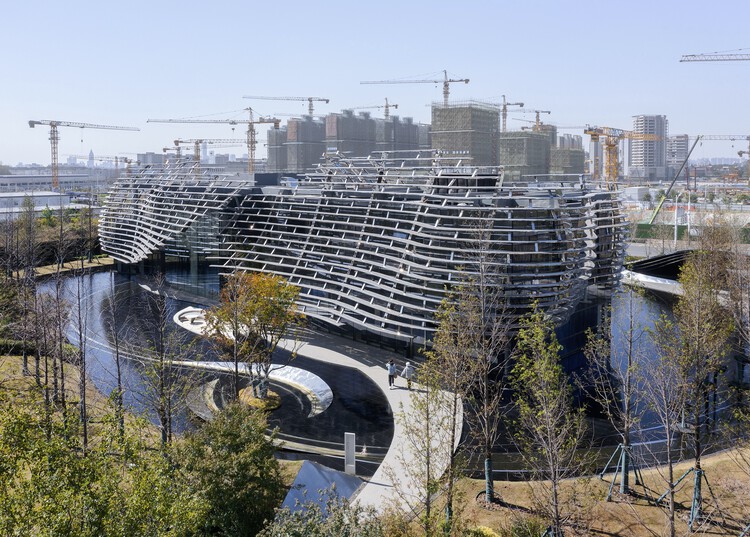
x: 373, y: 243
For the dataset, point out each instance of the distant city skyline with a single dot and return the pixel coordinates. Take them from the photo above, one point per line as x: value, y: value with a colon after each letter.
x: 597, y: 63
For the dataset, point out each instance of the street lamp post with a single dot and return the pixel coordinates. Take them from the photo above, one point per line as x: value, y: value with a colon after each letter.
x: 676, y: 200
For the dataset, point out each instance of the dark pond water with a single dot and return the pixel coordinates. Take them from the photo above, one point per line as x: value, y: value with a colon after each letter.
x: 358, y: 406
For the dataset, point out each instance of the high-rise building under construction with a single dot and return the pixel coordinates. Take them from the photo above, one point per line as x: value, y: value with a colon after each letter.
x: 300, y: 146
x: 467, y: 130
x: 524, y: 153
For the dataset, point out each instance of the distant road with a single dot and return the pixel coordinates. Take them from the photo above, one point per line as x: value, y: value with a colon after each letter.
x: 636, y: 249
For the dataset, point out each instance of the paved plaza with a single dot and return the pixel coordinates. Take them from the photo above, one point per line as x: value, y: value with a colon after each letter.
x: 378, y: 491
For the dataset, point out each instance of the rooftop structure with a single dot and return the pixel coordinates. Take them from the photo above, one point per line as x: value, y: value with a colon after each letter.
x: 373, y: 242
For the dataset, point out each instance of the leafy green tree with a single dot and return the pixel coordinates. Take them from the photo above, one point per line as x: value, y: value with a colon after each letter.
x: 550, y: 430
x: 48, y: 217
x: 255, y: 312
x: 229, y: 464
x: 120, y: 488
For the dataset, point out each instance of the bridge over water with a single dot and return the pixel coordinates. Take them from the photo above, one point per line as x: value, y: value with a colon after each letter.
x: 657, y: 273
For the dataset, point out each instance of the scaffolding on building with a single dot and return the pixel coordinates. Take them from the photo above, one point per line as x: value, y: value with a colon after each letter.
x: 467, y: 130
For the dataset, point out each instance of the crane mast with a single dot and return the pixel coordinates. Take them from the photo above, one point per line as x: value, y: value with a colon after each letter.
x: 54, y: 138
x: 612, y: 138
x: 504, y: 112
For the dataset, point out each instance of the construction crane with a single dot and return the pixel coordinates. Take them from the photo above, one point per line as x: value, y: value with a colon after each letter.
x: 674, y: 180
x: 612, y: 138
x: 538, y: 122
x: 250, y: 122
x: 387, y: 106
x: 715, y: 57
x: 309, y: 100
x: 504, y: 111
x: 197, y: 147
x: 54, y: 139
x: 446, y: 83
x: 727, y: 137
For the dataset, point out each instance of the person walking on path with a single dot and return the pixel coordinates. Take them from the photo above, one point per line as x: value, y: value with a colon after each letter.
x: 392, y: 372
x: 408, y: 374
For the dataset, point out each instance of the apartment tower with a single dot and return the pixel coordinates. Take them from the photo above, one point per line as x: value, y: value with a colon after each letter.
x: 647, y: 159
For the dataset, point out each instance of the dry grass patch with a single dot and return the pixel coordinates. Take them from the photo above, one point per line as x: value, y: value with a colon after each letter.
x: 272, y: 401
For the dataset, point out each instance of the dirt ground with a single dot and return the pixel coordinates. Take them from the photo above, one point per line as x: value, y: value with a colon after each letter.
x: 726, y: 506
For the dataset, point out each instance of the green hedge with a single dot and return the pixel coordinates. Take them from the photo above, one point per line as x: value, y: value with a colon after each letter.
x: 659, y: 231
x: 16, y: 347
x: 666, y: 231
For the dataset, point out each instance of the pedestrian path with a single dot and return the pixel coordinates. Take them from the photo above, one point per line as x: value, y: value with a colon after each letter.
x: 378, y: 491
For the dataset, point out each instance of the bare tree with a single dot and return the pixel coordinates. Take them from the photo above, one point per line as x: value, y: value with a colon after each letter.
x: 550, y: 431
x: 485, y: 325
x: 664, y: 391
x: 162, y: 346
x: 450, y: 366
x: 115, y: 325
x: 426, y: 451
x: 612, y: 379
x: 26, y: 262
x: 704, y: 326
x: 80, y: 312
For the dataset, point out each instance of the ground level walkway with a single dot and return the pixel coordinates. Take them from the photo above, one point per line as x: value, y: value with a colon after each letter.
x: 378, y: 491
x: 97, y: 264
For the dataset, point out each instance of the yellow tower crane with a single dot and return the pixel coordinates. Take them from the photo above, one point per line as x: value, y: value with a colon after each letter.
x: 446, y: 83
x: 612, y: 138
x: 309, y: 100
x: 504, y: 112
x: 537, y: 122
x: 54, y: 138
x: 251, y: 135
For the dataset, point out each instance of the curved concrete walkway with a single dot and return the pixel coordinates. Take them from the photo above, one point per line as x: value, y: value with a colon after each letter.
x: 378, y: 491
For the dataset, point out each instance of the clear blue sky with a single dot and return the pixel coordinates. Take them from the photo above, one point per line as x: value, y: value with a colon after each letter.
x: 589, y: 62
